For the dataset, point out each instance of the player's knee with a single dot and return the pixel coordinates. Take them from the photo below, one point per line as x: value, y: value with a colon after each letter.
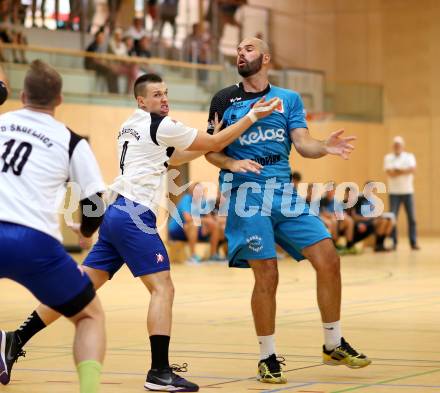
x: 332, y: 264
x: 267, y: 281
x: 328, y: 263
x: 164, y: 287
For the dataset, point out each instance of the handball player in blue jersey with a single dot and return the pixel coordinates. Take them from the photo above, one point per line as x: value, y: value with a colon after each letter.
x: 264, y: 210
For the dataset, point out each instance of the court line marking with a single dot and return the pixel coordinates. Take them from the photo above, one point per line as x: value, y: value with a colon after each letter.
x: 230, y: 379
x: 253, y: 378
x: 384, y: 382
x: 288, y: 388
x: 295, y: 358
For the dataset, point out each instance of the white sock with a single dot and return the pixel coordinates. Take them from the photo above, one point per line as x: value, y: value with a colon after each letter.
x: 267, y: 346
x: 332, y: 335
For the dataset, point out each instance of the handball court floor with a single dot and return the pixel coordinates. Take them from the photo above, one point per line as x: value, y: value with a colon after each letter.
x: 391, y: 311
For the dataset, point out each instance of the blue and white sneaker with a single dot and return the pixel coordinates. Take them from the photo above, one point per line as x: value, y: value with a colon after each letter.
x: 194, y: 259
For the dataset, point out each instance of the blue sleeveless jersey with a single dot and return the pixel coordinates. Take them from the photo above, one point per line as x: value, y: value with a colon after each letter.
x: 268, y: 140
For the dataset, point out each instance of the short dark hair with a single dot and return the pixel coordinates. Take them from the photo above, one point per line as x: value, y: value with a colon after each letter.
x: 42, y: 84
x: 141, y: 83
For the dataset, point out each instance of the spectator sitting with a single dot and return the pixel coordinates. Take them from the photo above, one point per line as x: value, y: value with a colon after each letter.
x: 116, y: 45
x: 101, y: 66
x: 143, y: 48
x: 196, y: 49
x: 130, y: 70
x: 331, y: 211
x: 186, y: 209
x: 136, y: 31
x: 381, y: 226
x: 129, y: 44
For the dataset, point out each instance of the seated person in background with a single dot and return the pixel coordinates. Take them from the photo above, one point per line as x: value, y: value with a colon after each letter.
x: 136, y: 31
x: 191, y: 232
x: 101, y: 66
x: 313, y: 199
x: 118, y: 47
x: 331, y: 211
x: 129, y: 44
x: 143, y: 47
x: 381, y: 226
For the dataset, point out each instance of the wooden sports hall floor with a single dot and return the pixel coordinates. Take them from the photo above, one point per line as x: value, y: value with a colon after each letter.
x: 391, y: 311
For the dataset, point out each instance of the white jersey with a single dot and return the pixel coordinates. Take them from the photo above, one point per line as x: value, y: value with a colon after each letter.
x: 402, y: 184
x: 38, y: 155
x: 146, y: 141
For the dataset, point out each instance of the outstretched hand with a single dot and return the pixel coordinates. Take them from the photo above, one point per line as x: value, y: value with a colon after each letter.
x: 263, y: 108
x: 338, y: 145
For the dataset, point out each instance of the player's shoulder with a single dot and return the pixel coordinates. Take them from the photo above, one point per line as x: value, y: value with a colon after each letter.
x: 10, y: 114
x: 227, y: 93
x: 74, y: 140
x: 285, y: 93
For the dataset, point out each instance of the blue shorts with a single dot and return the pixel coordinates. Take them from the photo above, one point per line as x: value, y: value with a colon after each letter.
x: 40, y: 263
x: 128, y: 234
x: 287, y: 222
x: 177, y: 233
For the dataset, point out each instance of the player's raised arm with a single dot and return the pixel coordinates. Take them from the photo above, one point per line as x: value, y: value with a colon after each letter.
x: 310, y: 147
x: 219, y: 141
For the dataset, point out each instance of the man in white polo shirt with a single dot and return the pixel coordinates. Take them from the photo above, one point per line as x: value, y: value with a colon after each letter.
x: 400, y: 167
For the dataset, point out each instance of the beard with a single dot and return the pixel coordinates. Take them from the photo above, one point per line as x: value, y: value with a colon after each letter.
x: 251, y: 68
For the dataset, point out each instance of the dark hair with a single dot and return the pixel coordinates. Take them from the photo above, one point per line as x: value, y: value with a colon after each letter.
x: 101, y: 30
x: 142, y: 81
x: 295, y: 176
x: 42, y: 84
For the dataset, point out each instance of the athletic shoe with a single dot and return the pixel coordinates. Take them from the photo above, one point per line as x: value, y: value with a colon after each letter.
x: 352, y: 251
x: 10, y: 351
x: 269, y: 370
x: 217, y: 258
x: 381, y: 248
x: 194, y: 259
x: 167, y: 381
x: 345, y: 355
